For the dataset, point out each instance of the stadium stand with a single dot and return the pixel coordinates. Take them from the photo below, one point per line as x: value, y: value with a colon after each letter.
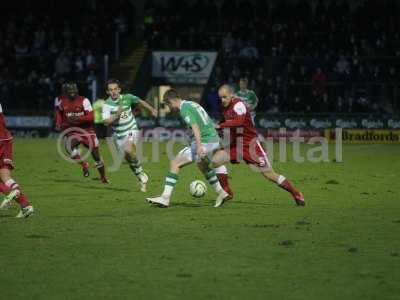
x: 337, y: 57
x: 51, y: 44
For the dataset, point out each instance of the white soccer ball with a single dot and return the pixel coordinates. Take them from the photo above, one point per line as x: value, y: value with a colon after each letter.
x: 197, y: 188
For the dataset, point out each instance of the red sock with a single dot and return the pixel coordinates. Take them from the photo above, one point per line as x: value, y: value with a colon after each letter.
x: 287, y: 185
x: 5, y: 189
x: 78, y: 159
x: 22, y: 200
x: 223, y: 180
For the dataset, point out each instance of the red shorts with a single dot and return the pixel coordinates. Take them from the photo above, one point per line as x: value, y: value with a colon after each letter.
x: 251, y: 153
x: 89, y: 140
x: 6, y: 155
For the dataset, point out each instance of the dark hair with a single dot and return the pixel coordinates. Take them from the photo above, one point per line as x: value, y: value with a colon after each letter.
x: 243, y: 79
x: 170, y: 94
x: 112, y: 81
x: 69, y: 85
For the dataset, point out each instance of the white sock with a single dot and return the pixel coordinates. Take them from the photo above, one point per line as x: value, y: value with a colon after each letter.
x: 221, y: 170
x: 280, y: 179
x: 167, y: 191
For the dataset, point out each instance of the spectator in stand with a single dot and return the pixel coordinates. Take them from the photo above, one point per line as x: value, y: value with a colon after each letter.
x: 249, y: 53
x: 318, y: 86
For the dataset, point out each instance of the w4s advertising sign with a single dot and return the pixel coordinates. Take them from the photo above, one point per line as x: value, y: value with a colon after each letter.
x: 183, y: 67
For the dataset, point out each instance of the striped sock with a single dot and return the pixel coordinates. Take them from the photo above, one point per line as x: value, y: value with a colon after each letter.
x: 100, y: 168
x: 21, y: 199
x: 136, y: 167
x: 213, y: 181
x: 170, y: 182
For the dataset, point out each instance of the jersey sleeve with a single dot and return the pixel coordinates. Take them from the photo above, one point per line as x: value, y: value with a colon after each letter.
x: 1, y: 109
x: 188, y: 116
x: 58, y: 115
x: 88, y: 115
x: 57, y: 102
x: 132, y: 99
x: 240, y: 111
x: 87, y: 106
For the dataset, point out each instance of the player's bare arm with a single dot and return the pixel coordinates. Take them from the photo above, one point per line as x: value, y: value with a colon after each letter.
x: 147, y: 106
x: 201, y: 151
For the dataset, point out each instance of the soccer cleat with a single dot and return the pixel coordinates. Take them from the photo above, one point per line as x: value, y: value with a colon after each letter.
x: 85, y: 169
x: 9, y: 198
x: 159, y: 201
x: 221, y: 198
x: 25, y: 212
x: 299, y: 198
x: 104, y: 180
x: 143, y: 179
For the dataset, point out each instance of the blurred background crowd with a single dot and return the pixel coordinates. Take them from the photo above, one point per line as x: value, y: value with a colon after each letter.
x: 54, y: 42
x: 299, y: 56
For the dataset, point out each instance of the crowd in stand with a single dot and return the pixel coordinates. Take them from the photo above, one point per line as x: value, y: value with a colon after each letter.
x: 325, y: 56
x: 48, y: 42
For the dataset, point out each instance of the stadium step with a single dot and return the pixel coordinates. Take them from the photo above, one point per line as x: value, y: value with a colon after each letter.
x: 127, y: 68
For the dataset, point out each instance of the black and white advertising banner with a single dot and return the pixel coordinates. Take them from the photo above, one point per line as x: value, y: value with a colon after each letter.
x: 183, y: 67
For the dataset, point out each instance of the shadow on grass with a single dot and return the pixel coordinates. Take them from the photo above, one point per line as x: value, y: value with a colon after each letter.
x: 64, y: 180
x: 188, y: 204
x: 85, y: 216
x: 103, y: 187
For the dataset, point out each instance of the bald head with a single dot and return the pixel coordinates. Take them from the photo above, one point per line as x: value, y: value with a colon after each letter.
x: 226, y: 93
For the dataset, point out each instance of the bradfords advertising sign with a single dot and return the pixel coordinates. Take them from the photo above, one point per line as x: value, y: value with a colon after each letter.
x: 364, y: 136
x: 183, y: 67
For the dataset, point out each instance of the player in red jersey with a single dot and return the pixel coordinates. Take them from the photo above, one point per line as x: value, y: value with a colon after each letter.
x: 8, y: 186
x: 74, y: 115
x: 244, y: 143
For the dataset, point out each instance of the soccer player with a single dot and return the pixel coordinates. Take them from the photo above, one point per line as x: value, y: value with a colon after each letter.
x: 74, y: 113
x: 117, y: 113
x: 244, y: 143
x: 248, y: 96
x: 8, y: 186
x: 204, y: 143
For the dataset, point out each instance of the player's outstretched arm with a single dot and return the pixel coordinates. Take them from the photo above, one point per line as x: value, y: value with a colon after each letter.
x: 147, y: 106
x: 235, y: 122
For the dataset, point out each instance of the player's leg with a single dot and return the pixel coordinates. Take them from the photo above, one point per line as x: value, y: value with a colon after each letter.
x: 15, y: 190
x: 128, y: 145
x: 99, y: 164
x: 91, y: 142
x: 285, y: 184
x: 213, y: 175
x: 222, y: 175
x: 209, y: 166
x: 259, y: 158
x: 75, y: 154
x: 184, y: 158
x: 10, y: 195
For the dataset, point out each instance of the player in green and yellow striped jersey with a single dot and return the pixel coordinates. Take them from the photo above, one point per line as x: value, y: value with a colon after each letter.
x: 204, y: 143
x: 117, y: 113
x: 247, y: 96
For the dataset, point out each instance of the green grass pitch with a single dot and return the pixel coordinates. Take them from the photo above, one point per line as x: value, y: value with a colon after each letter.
x: 89, y: 241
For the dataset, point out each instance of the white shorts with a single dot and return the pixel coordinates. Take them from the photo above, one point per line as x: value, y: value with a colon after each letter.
x: 190, y: 154
x: 131, y: 137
